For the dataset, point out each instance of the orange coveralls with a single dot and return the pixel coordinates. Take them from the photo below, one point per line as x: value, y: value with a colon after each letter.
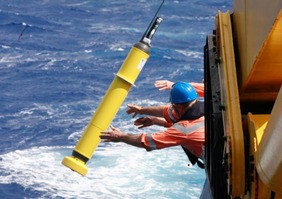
x: 188, y: 133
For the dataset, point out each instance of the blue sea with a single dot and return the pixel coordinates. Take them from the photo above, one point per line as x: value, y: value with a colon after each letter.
x: 57, y: 59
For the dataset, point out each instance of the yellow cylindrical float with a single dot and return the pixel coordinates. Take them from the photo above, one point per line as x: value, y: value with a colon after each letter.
x: 108, y: 107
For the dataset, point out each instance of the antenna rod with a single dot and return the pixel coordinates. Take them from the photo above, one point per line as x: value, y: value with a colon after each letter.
x: 152, y: 21
x: 153, y: 28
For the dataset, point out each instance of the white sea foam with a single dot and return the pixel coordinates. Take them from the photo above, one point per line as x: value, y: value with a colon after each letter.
x: 115, y: 171
x: 193, y: 54
x: 5, y: 46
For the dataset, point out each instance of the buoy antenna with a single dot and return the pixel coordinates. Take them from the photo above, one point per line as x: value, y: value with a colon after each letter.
x: 153, y: 25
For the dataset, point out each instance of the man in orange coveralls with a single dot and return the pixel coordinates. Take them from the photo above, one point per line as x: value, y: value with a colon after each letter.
x: 184, y: 119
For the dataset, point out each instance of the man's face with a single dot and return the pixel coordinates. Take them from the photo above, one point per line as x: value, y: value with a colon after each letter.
x: 179, y: 109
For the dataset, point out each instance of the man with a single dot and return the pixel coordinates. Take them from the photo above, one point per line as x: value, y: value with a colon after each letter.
x: 184, y: 119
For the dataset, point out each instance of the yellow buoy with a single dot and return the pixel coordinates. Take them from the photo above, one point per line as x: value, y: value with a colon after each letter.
x: 111, y: 103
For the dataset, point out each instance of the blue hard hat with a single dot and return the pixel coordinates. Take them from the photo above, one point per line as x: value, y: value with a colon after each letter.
x: 182, y: 92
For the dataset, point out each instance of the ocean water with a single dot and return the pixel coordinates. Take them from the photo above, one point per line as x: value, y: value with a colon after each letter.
x: 57, y: 59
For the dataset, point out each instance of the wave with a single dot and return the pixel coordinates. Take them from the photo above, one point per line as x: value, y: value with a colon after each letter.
x: 114, y: 172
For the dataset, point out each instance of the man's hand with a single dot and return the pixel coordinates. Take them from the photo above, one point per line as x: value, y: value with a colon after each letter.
x: 143, y: 122
x: 132, y: 108
x: 114, y: 135
x: 163, y: 84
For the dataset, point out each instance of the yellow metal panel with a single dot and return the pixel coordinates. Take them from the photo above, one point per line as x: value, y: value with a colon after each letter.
x: 265, y: 77
x: 256, y: 125
x: 278, y: 196
x: 260, y: 15
x: 240, y: 37
x: 257, y: 41
x: 230, y: 97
